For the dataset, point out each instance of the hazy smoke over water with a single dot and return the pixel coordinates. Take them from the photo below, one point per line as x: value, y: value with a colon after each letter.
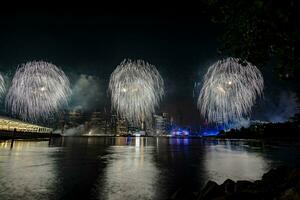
x: 79, y: 130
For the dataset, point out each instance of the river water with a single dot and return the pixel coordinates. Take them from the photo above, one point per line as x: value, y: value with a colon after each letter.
x: 131, y: 168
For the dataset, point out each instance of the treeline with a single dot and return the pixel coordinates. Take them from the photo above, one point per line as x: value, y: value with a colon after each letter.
x: 269, y: 130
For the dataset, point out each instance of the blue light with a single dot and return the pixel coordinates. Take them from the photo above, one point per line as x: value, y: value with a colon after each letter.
x: 210, y: 133
x: 180, y: 132
x: 185, y: 132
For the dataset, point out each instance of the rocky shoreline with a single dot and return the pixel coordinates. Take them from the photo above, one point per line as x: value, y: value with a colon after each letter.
x: 282, y: 183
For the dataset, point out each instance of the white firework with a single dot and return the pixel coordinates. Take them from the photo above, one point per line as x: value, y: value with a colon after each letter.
x: 2, y: 86
x: 136, y: 88
x: 38, y: 90
x: 229, y: 91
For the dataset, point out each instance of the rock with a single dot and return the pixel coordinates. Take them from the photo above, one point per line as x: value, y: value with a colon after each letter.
x: 279, y: 184
x: 175, y: 194
x: 229, y: 186
x: 244, y: 196
x: 297, y: 187
x: 290, y: 194
x: 274, y: 181
x: 211, y: 191
x: 259, y: 184
x: 245, y: 186
x: 183, y: 193
x: 275, y: 176
x: 294, y: 177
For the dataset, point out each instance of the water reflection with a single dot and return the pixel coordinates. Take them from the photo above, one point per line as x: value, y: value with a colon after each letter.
x: 130, y: 172
x: 179, y: 141
x: 130, y: 168
x: 233, y: 159
x: 27, y: 171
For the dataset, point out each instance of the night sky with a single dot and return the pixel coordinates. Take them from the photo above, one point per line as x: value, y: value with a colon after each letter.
x: 89, y: 47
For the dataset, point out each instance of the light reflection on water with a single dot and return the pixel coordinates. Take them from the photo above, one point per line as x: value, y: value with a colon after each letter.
x: 130, y: 168
x: 28, y: 174
x: 227, y: 161
x: 130, y: 172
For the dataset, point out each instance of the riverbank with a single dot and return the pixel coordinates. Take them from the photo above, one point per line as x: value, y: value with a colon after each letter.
x: 7, y: 135
x: 288, y: 130
x: 281, y: 184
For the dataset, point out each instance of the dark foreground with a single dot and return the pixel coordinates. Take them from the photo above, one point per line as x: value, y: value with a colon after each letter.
x: 282, y: 183
x: 116, y: 168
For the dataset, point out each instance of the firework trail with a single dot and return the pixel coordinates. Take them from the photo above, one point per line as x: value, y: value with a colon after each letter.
x: 38, y: 91
x: 2, y: 86
x: 229, y: 90
x: 136, y: 88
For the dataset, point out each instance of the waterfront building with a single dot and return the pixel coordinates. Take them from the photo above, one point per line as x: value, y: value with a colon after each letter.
x: 121, y: 127
x: 162, y: 124
x: 99, y: 121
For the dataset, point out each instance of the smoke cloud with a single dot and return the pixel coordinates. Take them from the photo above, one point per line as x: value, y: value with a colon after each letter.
x: 88, y: 93
x: 283, y: 109
x: 74, y: 131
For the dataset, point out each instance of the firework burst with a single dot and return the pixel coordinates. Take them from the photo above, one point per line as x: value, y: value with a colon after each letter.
x: 38, y: 91
x: 229, y: 90
x: 2, y: 86
x: 136, y: 88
